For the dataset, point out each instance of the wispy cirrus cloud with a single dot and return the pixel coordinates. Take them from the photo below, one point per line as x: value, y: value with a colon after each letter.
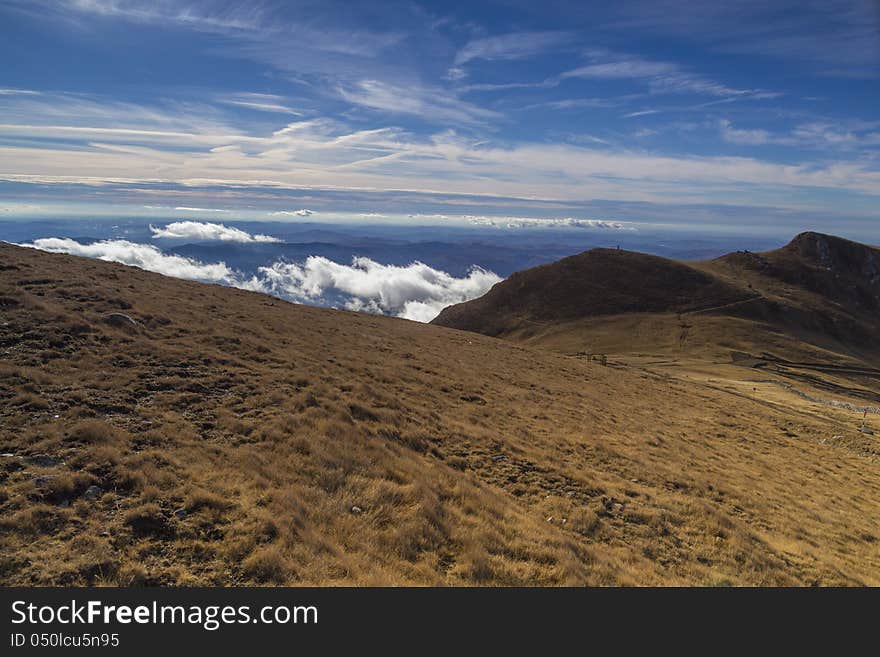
x: 326, y: 154
x: 432, y: 104
x: 505, y: 47
x: 842, y: 136
x: 660, y: 76
x: 260, y: 102
x: 418, y: 107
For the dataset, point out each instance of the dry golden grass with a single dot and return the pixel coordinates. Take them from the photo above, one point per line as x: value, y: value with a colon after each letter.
x: 235, y: 439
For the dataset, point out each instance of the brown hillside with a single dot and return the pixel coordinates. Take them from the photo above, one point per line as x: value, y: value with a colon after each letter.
x: 166, y: 432
x: 594, y: 283
x: 818, y: 293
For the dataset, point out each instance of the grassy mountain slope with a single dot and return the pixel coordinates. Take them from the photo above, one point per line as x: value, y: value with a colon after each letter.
x: 817, y: 297
x: 225, y: 437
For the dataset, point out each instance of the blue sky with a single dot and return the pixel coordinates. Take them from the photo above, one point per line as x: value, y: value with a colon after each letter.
x: 722, y: 114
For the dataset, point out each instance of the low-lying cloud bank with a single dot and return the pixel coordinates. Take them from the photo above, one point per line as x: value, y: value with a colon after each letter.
x: 204, y: 231
x: 532, y: 222
x: 145, y: 256
x: 415, y: 291
x: 292, y: 213
x: 497, y: 221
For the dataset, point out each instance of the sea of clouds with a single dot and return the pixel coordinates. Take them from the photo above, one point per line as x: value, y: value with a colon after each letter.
x: 416, y: 291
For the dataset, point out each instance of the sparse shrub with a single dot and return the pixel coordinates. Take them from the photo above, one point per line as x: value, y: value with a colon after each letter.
x: 584, y: 521
x: 362, y: 413
x: 29, y: 401
x: 66, y: 486
x: 147, y: 519
x: 202, y: 499
x: 302, y: 446
x: 92, y: 431
x: 457, y: 463
x: 266, y: 565
x: 125, y: 478
x: 91, y: 560
x: 131, y: 574
x: 35, y: 519
x: 477, y: 568
x: 150, y: 493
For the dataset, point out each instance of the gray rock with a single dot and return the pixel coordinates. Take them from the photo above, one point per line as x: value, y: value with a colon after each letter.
x: 356, y: 510
x: 120, y: 319
x: 181, y: 513
x: 93, y: 492
x: 42, y: 460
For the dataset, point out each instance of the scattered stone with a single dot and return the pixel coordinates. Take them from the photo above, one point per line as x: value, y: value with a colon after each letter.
x: 93, y: 492
x: 866, y: 430
x: 181, y: 513
x: 499, y: 457
x: 356, y: 510
x: 549, y: 518
x: 43, y: 480
x: 42, y: 460
x: 617, y: 507
x: 120, y: 319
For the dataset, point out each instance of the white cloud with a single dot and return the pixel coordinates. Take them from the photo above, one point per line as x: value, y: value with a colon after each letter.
x: 261, y: 102
x: 304, y: 212
x: 646, y: 112
x: 429, y: 103
x: 144, y: 256
x: 534, y: 222
x: 183, y: 208
x: 517, y: 45
x: 661, y: 77
x: 323, y: 154
x: 627, y: 69
x: 416, y: 291
x: 740, y: 136
x: 828, y: 135
x: 197, y: 230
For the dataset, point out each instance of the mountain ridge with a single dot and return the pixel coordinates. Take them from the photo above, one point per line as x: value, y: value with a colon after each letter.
x: 819, y: 289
